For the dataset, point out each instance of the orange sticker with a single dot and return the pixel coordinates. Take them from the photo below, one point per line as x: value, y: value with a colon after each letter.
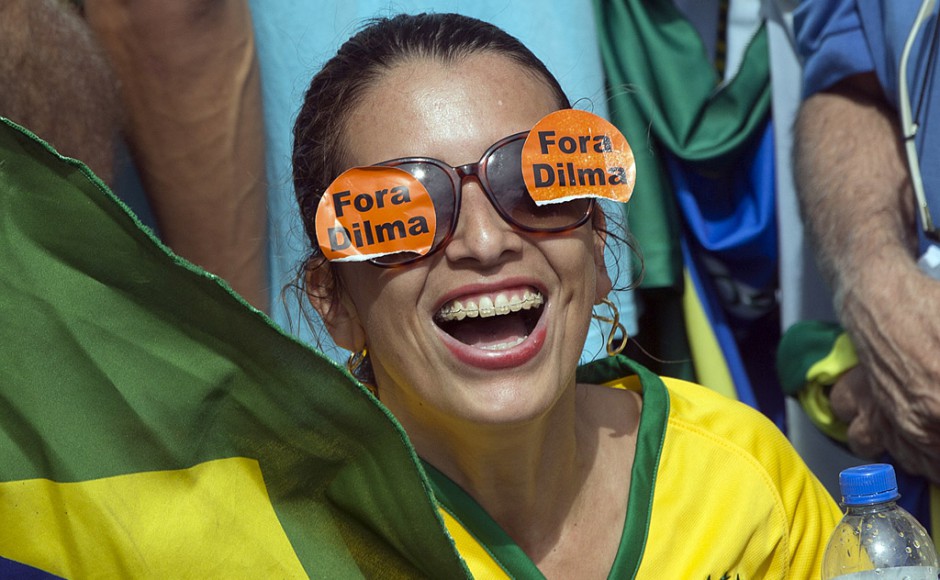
x: 571, y: 154
x: 369, y: 212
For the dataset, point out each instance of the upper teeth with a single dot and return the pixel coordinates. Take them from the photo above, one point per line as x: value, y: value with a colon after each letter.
x: 485, y: 307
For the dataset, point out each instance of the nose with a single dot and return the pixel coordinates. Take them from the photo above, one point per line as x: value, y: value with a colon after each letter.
x: 481, y: 234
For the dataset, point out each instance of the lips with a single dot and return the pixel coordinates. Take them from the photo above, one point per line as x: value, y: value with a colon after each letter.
x: 493, y: 329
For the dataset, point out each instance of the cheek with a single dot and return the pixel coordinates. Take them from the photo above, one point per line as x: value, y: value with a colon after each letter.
x: 383, y: 296
x: 585, y: 252
x: 573, y: 259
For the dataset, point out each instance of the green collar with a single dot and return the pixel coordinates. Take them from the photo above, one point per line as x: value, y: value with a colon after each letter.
x: 649, y: 444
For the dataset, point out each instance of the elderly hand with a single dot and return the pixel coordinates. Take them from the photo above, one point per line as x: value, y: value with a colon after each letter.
x: 892, y: 400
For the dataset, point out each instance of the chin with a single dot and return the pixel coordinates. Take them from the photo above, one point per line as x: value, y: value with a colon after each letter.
x: 509, y: 396
x: 508, y: 411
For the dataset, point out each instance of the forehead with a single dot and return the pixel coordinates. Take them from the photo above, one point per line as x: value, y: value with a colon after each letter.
x: 450, y: 111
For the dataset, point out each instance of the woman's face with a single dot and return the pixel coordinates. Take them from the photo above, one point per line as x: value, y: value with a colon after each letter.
x: 500, y: 369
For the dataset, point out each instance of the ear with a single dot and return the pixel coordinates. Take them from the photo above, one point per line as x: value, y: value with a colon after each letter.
x: 327, y: 295
x: 603, y: 285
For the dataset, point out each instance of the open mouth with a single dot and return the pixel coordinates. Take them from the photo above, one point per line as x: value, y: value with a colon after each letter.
x: 495, y: 321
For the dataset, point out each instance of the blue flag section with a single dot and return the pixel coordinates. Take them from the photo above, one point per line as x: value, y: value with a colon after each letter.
x: 730, y: 253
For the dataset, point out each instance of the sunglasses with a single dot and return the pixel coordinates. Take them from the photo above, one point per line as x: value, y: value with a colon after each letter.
x: 499, y: 173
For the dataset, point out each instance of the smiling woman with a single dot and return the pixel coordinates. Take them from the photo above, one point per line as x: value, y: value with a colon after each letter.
x: 473, y: 344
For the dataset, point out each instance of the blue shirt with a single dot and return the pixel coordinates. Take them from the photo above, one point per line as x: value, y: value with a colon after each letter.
x: 840, y: 38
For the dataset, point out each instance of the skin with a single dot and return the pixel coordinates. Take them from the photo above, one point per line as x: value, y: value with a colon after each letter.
x: 538, y: 452
x: 856, y: 198
x: 189, y: 79
x: 57, y: 83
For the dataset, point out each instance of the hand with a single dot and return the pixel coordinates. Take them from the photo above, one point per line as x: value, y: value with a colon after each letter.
x: 870, y: 433
x: 892, y: 400
x: 854, y: 404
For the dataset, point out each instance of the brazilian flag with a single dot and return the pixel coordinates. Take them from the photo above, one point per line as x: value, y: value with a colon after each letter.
x: 152, y: 424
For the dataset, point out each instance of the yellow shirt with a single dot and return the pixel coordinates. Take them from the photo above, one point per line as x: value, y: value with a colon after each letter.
x: 717, y: 492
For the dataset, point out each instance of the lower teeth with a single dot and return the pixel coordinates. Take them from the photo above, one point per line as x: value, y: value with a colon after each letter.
x: 504, y: 345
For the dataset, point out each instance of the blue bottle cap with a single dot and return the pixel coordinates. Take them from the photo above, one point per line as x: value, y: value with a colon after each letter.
x: 868, y: 484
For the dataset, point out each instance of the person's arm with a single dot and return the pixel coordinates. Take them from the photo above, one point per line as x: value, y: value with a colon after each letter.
x: 189, y: 79
x: 55, y: 81
x: 856, y: 200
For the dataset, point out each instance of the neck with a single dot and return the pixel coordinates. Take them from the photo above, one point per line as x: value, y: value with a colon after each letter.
x: 542, y: 479
x: 528, y: 476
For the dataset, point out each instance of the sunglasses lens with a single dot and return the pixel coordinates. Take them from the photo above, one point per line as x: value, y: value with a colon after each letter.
x: 439, y: 185
x: 502, y: 176
x: 505, y: 180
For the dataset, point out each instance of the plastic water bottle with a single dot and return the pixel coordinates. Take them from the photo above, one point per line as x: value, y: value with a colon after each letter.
x: 877, y: 539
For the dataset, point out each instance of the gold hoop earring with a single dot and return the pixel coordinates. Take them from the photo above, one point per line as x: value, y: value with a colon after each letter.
x: 354, y: 366
x: 355, y: 359
x: 616, y: 327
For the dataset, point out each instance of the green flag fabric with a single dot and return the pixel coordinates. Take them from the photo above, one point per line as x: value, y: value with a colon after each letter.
x: 665, y: 95
x: 154, y: 425
x: 669, y: 100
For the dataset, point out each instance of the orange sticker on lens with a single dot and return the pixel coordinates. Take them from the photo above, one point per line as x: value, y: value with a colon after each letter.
x: 369, y: 212
x: 571, y: 154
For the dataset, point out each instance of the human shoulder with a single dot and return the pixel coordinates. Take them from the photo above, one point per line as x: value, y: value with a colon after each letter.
x: 831, y: 43
x: 696, y: 409
x: 684, y: 410
x: 725, y: 472
x: 706, y: 456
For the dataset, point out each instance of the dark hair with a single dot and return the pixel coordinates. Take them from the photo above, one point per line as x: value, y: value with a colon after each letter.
x: 318, y: 151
